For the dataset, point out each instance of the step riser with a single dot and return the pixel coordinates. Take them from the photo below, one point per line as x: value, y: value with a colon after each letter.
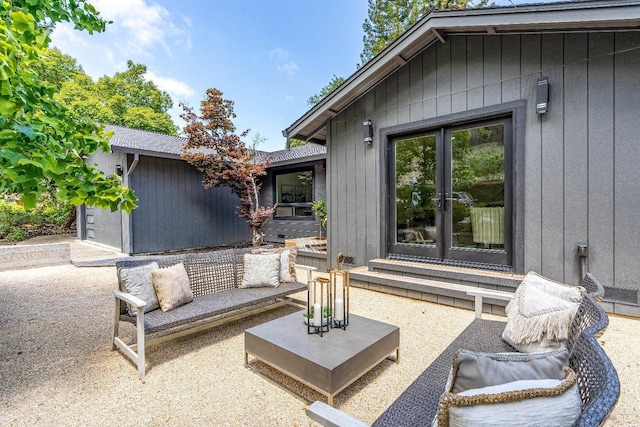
x: 438, y: 296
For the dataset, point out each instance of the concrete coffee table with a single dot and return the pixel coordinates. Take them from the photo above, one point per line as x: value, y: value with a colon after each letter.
x: 329, y: 363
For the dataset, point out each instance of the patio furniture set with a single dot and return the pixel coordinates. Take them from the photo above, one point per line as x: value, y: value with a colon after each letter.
x: 220, y: 293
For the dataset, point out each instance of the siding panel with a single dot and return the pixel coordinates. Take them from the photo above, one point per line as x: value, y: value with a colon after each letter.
x: 627, y: 154
x: 575, y: 152
x: 552, y: 160
x: 601, y: 164
x: 530, y: 69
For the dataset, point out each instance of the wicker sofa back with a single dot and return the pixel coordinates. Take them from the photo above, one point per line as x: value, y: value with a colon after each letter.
x: 215, y: 278
x: 597, y: 378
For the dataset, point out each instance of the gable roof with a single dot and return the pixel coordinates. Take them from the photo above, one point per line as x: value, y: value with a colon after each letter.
x: 134, y: 141
x: 437, y: 25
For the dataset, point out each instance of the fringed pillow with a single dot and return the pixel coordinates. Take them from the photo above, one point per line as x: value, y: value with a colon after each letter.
x: 540, y: 314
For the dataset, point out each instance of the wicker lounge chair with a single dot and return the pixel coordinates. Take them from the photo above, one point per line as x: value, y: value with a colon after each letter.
x: 597, y: 378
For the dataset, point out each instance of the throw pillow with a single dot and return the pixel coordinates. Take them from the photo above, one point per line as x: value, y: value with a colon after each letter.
x: 172, y: 286
x: 476, y: 369
x: 537, y: 402
x: 288, y: 256
x: 261, y: 270
x: 540, y: 314
x: 137, y: 281
x: 557, y: 289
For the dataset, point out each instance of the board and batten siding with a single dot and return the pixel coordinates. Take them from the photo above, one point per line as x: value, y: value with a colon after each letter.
x: 176, y: 212
x: 106, y: 228
x: 581, y: 162
x: 277, y: 230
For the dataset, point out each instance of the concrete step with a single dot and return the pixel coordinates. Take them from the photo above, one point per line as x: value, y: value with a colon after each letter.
x: 437, y: 291
x: 444, y: 273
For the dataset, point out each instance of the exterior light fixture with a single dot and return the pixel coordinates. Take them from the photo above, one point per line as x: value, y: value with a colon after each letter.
x: 119, y: 170
x: 542, y: 95
x: 368, y: 132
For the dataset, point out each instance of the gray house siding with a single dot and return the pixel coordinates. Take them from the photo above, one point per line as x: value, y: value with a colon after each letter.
x: 176, y: 212
x: 581, y: 157
x: 277, y: 230
x: 99, y: 225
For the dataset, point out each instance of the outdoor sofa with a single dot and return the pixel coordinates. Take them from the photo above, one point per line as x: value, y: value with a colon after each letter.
x: 215, y: 279
x: 598, y: 383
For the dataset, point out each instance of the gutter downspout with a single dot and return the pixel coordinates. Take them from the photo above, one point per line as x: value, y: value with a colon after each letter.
x: 136, y: 159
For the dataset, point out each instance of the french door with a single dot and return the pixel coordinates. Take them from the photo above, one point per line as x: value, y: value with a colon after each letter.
x: 451, y: 193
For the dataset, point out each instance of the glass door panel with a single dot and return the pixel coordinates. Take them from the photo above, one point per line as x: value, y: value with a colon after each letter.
x: 415, y: 212
x: 476, y: 213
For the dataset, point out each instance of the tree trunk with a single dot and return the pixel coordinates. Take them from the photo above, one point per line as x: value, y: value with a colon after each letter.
x: 257, y: 237
x: 71, y: 218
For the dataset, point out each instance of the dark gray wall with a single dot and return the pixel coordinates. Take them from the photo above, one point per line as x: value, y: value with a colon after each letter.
x: 581, y: 157
x: 176, y: 212
x: 298, y: 228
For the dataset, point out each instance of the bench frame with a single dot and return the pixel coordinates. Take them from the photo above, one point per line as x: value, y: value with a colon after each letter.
x: 136, y: 351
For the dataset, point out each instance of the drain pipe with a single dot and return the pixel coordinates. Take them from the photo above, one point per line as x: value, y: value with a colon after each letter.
x: 582, y: 254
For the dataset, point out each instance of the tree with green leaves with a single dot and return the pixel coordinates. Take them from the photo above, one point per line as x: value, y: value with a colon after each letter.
x: 218, y: 152
x: 41, y: 141
x: 388, y: 19
x: 330, y: 87
x: 126, y: 99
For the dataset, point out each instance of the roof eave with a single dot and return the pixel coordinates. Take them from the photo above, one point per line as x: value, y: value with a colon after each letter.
x: 436, y: 25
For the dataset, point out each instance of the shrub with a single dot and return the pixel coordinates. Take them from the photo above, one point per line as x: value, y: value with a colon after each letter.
x: 47, y: 217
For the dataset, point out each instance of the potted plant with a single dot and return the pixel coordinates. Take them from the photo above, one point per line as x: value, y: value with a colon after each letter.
x: 319, y: 209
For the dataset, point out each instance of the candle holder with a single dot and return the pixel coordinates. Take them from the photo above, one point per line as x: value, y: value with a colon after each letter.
x: 340, y: 295
x: 318, y: 306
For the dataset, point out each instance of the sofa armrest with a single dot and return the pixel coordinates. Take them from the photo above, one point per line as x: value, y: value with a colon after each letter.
x: 479, y: 293
x: 329, y: 416
x: 128, y: 298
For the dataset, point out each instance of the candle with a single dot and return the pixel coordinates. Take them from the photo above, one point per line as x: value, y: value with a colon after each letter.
x: 338, y: 314
x: 312, y: 297
x: 317, y: 315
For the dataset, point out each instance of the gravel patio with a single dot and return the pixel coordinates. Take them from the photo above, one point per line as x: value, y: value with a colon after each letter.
x: 57, y: 368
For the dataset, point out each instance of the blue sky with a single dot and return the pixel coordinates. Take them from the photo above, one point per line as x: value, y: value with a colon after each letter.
x: 268, y: 57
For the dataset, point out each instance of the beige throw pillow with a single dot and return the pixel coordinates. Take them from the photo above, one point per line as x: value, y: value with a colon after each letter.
x: 261, y: 270
x: 172, y: 286
x: 288, y: 257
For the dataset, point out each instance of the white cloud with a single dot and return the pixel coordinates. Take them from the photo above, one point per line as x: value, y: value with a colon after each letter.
x: 279, y: 53
x: 288, y: 67
x: 284, y: 64
x: 173, y: 86
x: 141, y: 26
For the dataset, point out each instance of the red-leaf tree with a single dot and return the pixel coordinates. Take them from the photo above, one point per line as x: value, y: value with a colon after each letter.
x: 218, y: 152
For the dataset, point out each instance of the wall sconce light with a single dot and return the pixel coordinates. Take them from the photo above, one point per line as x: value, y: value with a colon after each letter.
x: 368, y: 132
x: 119, y: 170
x: 542, y: 95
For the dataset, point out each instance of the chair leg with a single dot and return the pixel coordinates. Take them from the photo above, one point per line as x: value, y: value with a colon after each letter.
x: 116, y: 323
x: 140, y: 343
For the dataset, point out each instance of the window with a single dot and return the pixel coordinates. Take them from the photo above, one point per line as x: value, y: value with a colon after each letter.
x: 294, y: 194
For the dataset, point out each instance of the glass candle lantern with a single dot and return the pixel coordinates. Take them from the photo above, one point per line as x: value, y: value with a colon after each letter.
x: 318, y: 306
x: 340, y: 297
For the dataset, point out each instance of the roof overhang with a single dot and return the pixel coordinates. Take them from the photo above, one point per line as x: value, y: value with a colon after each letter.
x: 437, y: 26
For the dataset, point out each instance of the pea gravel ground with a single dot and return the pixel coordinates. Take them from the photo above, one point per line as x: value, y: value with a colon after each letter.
x: 57, y: 369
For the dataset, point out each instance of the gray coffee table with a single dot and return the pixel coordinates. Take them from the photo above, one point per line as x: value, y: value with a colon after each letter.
x: 329, y: 363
